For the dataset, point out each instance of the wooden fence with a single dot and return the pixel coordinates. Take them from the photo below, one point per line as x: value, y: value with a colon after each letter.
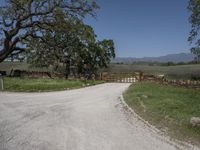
x: 180, y: 83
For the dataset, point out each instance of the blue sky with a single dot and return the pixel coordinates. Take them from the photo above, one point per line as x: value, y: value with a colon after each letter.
x: 143, y: 27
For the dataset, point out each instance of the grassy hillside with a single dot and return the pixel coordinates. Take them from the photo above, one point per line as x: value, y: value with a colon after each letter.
x: 168, y: 108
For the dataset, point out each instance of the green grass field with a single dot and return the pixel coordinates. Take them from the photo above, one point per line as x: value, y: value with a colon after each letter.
x: 41, y: 85
x: 168, y: 108
x: 171, y: 72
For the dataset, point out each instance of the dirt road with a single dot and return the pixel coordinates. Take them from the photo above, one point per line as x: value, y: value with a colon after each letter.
x: 91, y: 118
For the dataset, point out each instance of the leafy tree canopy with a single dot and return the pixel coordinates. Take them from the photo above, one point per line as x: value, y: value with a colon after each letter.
x: 75, y: 48
x: 194, y: 8
x: 21, y: 20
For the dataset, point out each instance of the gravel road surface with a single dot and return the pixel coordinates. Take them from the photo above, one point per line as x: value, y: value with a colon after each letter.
x: 91, y: 118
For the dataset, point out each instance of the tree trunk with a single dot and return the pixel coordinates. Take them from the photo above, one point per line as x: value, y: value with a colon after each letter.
x: 4, y: 54
x: 67, y: 69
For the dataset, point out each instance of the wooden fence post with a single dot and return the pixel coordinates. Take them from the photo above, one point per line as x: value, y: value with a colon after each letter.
x: 2, y: 83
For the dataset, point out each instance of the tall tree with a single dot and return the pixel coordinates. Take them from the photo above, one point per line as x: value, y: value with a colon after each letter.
x: 196, y: 52
x: 62, y: 46
x: 75, y: 48
x: 97, y: 55
x: 22, y: 19
x: 194, y: 8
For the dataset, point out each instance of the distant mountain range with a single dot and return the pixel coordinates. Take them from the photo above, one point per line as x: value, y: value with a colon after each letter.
x: 182, y: 57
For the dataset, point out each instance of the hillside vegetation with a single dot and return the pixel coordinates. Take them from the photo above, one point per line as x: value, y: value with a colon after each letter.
x: 191, y: 71
x: 173, y: 72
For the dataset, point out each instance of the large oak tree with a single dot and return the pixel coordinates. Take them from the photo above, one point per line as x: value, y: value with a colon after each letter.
x: 76, y: 48
x: 22, y: 20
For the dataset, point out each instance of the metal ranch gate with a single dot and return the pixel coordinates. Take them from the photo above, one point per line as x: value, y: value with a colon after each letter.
x: 121, y: 77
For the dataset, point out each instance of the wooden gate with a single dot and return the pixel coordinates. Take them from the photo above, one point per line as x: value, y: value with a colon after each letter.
x: 121, y: 77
